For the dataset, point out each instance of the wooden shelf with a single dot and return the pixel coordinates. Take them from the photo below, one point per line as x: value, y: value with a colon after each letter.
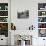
x: 41, y: 28
x: 41, y: 22
x: 3, y: 16
x: 3, y: 10
x: 42, y: 10
x: 3, y: 22
x: 42, y: 16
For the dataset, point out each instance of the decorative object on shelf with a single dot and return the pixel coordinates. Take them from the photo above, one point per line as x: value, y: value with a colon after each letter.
x: 13, y: 27
x: 3, y: 13
x: 31, y: 27
x: 4, y: 26
x: 6, y: 7
x: 3, y: 6
x: 43, y: 13
x: 4, y: 29
x: 3, y: 19
x: 40, y: 25
x: 41, y: 6
x: 23, y: 14
x: 41, y: 19
x: 42, y: 32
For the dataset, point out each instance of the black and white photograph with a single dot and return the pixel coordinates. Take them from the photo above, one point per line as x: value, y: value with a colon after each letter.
x: 23, y: 14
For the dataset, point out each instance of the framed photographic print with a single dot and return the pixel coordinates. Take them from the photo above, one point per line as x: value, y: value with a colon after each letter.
x: 23, y: 15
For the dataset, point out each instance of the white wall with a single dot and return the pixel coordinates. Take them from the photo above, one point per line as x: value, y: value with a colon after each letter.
x: 23, y: 24
x: 21, y: 5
